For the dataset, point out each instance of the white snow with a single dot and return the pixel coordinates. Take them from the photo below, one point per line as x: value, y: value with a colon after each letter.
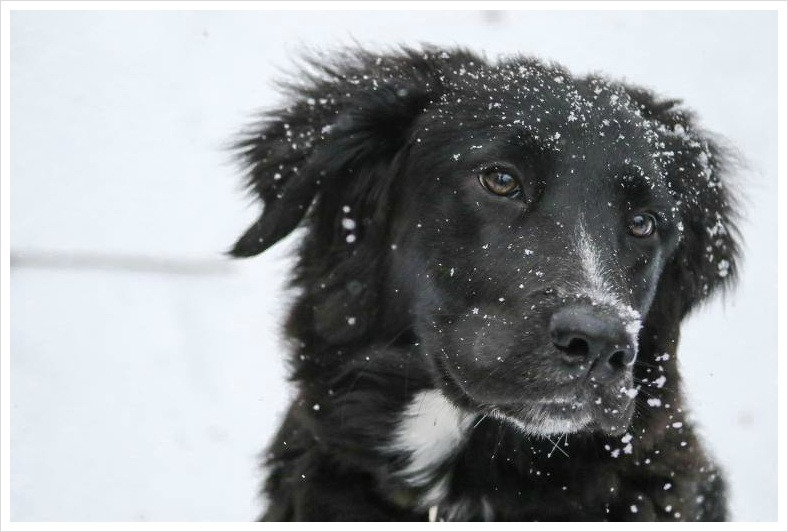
x: 628, y: 448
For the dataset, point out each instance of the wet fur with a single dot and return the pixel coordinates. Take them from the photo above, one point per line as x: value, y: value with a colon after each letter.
x: 376, y: 296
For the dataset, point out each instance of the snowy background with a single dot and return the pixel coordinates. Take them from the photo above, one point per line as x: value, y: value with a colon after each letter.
x: 147, y: 370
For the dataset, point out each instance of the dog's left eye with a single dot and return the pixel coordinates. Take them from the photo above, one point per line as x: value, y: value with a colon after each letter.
x: 500, y: 182
x: 642, y: 225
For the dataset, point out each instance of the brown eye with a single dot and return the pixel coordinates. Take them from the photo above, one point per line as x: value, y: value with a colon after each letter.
x: 642, y: 225
x: 500, y: 182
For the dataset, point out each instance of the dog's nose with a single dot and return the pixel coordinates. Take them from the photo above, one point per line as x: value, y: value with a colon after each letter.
x: 587, y: 335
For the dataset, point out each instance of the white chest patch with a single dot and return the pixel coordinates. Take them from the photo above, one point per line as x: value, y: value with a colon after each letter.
x: 430, y: 431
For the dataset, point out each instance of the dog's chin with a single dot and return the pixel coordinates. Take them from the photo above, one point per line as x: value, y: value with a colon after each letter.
x: 546, y: 418
x: 592, y: 410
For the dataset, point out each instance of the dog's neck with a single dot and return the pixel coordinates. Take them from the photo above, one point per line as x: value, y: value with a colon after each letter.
x: 436, y: 444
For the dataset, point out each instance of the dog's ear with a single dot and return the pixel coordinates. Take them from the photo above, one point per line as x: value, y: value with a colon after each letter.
x: 345, y: 116
x: 708, y: 253
x: 697, y: 167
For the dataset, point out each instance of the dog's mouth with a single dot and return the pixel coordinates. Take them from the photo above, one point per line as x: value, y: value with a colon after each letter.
x: 544, y: 420
x: 545, y: 417
x: 590, y: 407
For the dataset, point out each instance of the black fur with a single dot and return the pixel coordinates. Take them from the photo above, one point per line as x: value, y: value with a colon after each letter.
x: 436, y: 283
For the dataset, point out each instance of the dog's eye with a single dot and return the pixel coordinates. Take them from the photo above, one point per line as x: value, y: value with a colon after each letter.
x: 642, y: 225
x: 500, y: 182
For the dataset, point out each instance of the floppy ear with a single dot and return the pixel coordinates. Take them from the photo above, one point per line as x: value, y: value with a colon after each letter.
x: 345, y: 116
x: 697, y: 169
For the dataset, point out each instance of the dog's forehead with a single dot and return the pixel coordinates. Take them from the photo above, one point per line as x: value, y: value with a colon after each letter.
x: 583, y: 122
x: 547, y: 105
x: 539, y: 92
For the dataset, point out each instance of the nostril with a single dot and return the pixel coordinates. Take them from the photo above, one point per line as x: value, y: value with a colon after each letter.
x: 621, y: 358
x: 618, y: 360
x: 577, y: 347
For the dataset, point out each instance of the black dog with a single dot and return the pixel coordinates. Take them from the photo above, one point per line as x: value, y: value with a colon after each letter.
x: 496, y: 263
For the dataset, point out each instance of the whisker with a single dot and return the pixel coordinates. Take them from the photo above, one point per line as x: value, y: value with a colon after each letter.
x: 644, y: 364
x: 361, y: 372
x: 349, y: 392
x: 649, y: 384
x: 643, y: 389
x: 556, y: 446
x: 500, y: 440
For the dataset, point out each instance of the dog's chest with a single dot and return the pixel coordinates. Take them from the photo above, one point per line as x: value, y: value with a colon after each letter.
x: 430, y: 444
x: 430, y: 432
x: 446, y: 471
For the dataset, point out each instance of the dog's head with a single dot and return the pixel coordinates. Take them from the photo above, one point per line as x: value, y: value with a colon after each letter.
x: 528, y: 227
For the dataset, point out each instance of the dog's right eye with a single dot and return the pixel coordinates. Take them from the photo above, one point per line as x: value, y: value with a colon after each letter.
x: 500, y: 182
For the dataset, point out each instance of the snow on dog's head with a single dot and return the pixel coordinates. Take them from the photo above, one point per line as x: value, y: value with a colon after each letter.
x: 521, y: 224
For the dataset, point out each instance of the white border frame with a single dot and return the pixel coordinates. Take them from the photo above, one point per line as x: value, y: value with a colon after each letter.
x: 6, y: 9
